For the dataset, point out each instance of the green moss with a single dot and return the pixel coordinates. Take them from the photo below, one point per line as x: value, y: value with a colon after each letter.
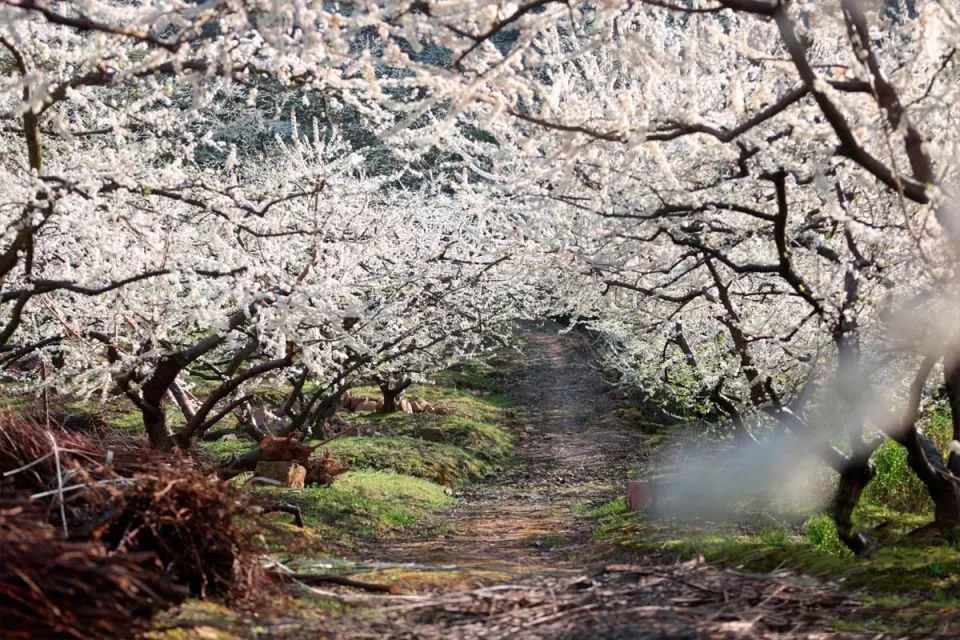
x: 464, y: 446
x: 210, y: 620
x: 908, y: 569
x: 822, y: 533
x: 434, y: 578
x: 467, y: 403
x: 897, y: 487
x: 362, y: 505
x: 611, y: 517
x: 441, y: 463
x: 485, y: 376
x: 199, y: 619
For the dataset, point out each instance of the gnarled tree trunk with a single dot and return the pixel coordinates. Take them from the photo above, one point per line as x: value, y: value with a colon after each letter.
x: 391, y: 392
x: 853, y: 480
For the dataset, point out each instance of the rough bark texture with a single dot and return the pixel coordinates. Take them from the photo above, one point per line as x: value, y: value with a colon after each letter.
x: 942, y: 486
x: 155, y: 424
x: 152, y: 394
x: 853, y: 480
x: 951, y: 371
x: 391, y: 393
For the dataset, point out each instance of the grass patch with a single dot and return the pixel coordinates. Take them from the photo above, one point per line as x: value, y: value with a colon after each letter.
x: 209, y: 620
x: 490, y: 375
x: 927, y: 575
x: 441, y: 463
x: 449, y: 450
x: 438, y: 579
x: 363, y: 505
x: 220, y: 451
x: 897, y: 487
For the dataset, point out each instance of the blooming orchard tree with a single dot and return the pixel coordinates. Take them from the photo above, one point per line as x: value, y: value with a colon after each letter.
x: 759, y: 192
x: 168, y: 222
x: 752, y: 200
x: 104, y: 102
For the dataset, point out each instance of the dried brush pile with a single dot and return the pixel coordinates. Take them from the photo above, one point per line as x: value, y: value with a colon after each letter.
x: 37, y: 459
x: 52, y: 588
x: 191, y: 523
x: 110, y: 529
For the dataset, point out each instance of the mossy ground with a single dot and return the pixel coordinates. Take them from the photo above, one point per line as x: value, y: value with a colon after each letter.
x: 287, y: 617
x: 436, y: 579
x: 363, y: 505
x: 450, y: 450
x: 907, y: 585
x: 398, y: 477
x: 911, y: 585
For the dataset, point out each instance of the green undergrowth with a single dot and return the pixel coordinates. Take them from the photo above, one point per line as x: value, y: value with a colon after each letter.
x: 402, y: 466
x: 362, y: 505
x: 924, y: 573
x: 906, y: 583
x: 210, y: 620
x: 441, y: 463
x: 468, y: 445
x: 897, y: 487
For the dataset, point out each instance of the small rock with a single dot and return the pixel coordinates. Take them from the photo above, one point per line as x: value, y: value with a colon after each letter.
x: 405, y: 406
x: 230, y: 437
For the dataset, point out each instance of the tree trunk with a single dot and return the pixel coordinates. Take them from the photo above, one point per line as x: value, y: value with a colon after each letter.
x: 391, y: 393
x: 325, y: 410
x: 853, y: 480
x: 942, y: 486
x: 946, y: 501
x: 152, y: 394
x: 155, y: 424
x: 951, y: 378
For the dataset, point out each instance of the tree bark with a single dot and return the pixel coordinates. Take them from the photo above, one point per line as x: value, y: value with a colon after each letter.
x: 853, y: 480
x: 951, y: 375
x: 392, y: 392
x: 152, y: 395
x: 318, y: 408
x: 942, y: 486
x: 155, y: 424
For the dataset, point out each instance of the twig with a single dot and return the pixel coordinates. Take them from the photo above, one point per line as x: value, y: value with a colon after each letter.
x: 56, y: 457
x: 286, y: 507
x: 330, y: 578
x: 27, y: 466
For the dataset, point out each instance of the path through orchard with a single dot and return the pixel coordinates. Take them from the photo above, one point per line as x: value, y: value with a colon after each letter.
x: 527, y: 538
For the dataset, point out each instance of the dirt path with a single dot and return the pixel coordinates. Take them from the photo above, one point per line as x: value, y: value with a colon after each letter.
x: 531, y: 518
x: 526, y: 538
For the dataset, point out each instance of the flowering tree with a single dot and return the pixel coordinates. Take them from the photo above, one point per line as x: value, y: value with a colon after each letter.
x: 758, y: 192
x: 168, y: 223
x: 750, y: 198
